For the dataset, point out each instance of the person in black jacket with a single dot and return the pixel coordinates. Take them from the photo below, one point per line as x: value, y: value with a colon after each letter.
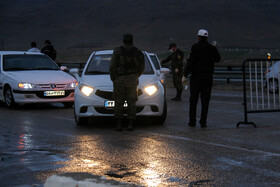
x: 49, y: 50
x: 176, y: 59
x: 201, y: 66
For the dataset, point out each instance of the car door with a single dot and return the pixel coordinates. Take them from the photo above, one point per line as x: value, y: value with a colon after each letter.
x: 162, y: 72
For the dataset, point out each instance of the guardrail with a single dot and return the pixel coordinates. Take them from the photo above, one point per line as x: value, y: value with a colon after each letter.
x: 221, y: 73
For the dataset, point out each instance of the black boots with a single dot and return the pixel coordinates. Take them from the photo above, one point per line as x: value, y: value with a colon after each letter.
x: 130, y: 125
x: 176, y: 99
x: 119, y: 125
x: 178, y: 96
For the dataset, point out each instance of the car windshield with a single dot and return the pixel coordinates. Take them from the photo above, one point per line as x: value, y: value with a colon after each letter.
x: 155, y: 61
x: 28, y: 62
x: 99, y: 64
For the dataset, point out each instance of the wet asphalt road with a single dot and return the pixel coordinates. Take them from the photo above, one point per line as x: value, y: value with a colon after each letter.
x: 37, y: 141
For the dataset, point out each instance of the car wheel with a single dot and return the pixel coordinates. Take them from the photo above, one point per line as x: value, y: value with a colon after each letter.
x: 9, y: 98
x: 68, y: 104
x: 80, y: 121
x: 161, y: 119
x: 273, y: 86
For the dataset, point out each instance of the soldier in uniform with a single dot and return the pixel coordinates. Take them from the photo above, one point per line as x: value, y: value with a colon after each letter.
x: 201, y: 66
x: 176, y: 59
x: 127, y: 65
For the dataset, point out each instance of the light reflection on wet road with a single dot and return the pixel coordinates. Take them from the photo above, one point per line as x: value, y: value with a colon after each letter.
x: 38, y: 141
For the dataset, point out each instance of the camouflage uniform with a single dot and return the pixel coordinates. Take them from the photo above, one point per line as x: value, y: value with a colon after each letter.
x: 176, y: 59
x: 127, y: 65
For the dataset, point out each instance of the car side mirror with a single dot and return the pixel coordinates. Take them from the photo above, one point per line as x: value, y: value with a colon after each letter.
x: 63, y: 68
x: 75, y: 73
x: 164, y: 70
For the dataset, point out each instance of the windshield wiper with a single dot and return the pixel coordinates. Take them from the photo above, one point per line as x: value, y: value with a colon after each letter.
x: 96, y: 72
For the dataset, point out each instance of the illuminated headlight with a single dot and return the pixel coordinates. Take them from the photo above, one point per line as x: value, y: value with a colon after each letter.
x: 25, y: 85
x: 151, y: 90
x: 72, y: 85
x: 86, y: 90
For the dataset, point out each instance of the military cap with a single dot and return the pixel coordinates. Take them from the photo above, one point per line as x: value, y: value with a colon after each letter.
x: 172, y: 45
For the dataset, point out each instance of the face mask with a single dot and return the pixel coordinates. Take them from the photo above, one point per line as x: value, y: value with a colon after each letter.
x: 171, y: 50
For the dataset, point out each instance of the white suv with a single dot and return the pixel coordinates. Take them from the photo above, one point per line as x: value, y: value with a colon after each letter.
x: 94, y: 93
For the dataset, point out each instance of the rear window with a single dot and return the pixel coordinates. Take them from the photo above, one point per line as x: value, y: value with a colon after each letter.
x: 28, y: 62
x: 100, y: 64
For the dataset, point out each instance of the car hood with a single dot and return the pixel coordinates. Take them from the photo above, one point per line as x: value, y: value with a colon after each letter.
x: 105, y: 81
x: 42, y: 77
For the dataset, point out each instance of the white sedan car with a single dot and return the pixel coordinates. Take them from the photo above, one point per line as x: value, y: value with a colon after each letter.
x: 94, y: 93
x: 33, y: 78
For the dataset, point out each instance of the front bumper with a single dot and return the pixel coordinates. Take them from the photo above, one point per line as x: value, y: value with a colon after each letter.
x: 93, y: 105
x: 37, y: 96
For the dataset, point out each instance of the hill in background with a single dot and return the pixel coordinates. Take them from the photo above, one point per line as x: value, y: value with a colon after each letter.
x: 76, y: 28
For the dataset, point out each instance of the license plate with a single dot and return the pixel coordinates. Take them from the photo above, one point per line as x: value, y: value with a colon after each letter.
x: 54, y: 93
x: 111, y: 104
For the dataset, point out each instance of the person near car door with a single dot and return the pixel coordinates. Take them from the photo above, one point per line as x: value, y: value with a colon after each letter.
x: 176, y: 59
x: 200, y: 65
x: 126, y: 66
x: 49, y: 50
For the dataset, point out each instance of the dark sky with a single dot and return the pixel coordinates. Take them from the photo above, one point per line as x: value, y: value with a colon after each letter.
x: 98, y: 24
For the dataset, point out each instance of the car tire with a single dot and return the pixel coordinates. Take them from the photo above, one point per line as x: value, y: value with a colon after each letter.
x: 274, y: 87
x: 9, y: 98
x: 68, y: 104
x: 160, y: 119
x: 80, y: 121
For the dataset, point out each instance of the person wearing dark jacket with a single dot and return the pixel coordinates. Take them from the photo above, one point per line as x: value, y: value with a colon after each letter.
x: 49, y: 50
x: 176, y: 59
x: 201, y: 67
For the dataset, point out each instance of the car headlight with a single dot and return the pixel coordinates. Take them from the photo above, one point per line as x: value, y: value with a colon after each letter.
x: 86, y: 90
x: 25, y: 85
x: 72, y: 85
x: 151, y: 90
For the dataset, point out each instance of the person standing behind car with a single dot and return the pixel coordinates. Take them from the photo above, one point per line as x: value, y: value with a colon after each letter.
x: 201, y: 66
x: 34, y: 48
x: 49, y: 50
x: 176, y: 59
x: 127, y: 65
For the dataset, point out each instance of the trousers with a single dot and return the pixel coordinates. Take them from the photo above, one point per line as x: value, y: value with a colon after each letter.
x: 200, y: 85
x: 121, y: 94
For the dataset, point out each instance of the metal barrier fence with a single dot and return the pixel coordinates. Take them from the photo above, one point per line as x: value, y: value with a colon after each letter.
x: 260, y: 87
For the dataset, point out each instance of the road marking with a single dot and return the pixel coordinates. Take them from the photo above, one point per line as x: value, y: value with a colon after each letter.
x: 215, y: 144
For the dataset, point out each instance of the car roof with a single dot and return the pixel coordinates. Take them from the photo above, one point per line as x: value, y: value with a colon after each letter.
x: 19, y: 53
x: 106, y: 52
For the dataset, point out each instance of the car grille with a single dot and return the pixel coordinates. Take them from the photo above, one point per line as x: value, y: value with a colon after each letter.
x: 103, y: 110
x: 49, y: 86
x: 109, y: 95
